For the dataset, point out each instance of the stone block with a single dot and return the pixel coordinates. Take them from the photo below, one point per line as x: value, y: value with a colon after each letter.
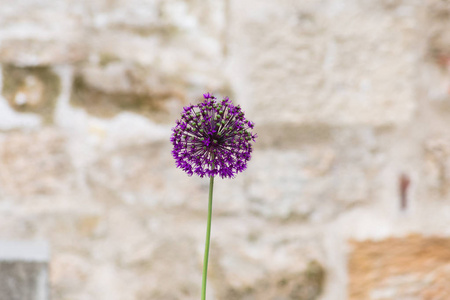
x: 413, y: 267
x: 31, y: 90
x: 320, y: 65
x: 24, y: 270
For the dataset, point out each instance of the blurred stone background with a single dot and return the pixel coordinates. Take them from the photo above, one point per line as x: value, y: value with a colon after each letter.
x: 347, y: 195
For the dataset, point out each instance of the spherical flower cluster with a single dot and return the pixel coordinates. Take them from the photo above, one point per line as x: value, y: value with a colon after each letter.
x: 212, y: 138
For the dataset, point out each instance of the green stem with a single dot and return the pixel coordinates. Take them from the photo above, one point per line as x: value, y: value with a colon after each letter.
x: 208, y: 234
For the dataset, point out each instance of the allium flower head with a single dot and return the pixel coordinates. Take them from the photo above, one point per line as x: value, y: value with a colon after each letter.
x: 212, y: 138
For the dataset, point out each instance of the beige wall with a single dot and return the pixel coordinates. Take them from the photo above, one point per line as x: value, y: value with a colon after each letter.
x: 348, y: 97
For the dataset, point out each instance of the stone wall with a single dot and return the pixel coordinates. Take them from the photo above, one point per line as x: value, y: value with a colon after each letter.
x: 351, y: 101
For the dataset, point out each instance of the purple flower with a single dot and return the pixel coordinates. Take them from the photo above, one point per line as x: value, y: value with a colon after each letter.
x: 212, y: 138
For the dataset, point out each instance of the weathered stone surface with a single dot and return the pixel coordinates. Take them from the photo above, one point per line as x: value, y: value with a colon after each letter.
x: 326, y: 66
x: 106, y: 92
x: 68, y: 274
x: 306, y: 285
x: 33, y: 35
x: 31, y: 89
x: 167, y: 54
x: 34, y: 163
x: 437, y: 164
x: 306, y: 181
x: 255, y: 268
x: 413, y: 267
x: 436, y: 70
x: 23, y: 271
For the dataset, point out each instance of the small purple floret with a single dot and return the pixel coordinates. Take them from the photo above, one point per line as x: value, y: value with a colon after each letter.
x: 212, y: 138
